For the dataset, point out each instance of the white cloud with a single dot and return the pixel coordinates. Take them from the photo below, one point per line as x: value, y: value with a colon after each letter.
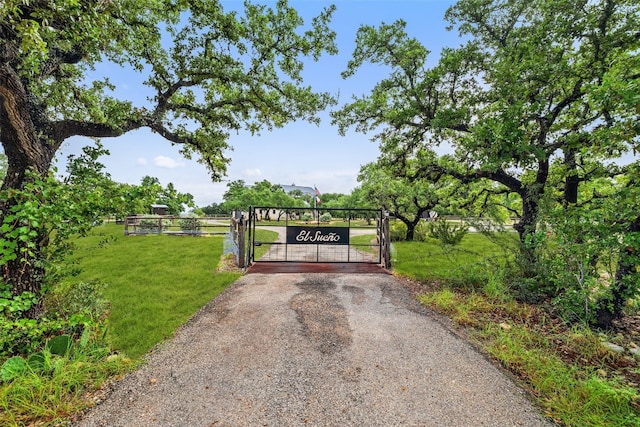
x: 252, y: 173
x: 167, y: 162
x: 142, y: 161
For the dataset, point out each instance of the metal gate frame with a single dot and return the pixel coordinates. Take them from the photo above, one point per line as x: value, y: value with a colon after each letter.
x: 301, y: 238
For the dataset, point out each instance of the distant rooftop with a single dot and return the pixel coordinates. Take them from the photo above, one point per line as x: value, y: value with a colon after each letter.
x: 304, y: 190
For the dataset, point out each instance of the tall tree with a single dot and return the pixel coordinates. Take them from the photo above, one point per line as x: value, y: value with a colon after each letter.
x: 406, y: 200
x: 223, y: 72
x: 523, y: 93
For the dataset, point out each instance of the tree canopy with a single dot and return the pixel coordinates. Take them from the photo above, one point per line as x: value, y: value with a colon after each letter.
x: 540, y: 98
x: 240, y: 196
x: 211, y: 72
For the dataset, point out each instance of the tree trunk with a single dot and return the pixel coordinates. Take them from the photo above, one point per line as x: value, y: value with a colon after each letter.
x: 411, y: 231
x: 531, y: 197
x: 611, y: 309
x: 526, y: 229
x: 27, y: 151
x: 572, y: 181
x: 411, y: 225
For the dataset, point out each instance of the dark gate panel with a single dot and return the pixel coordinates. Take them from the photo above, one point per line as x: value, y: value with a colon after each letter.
x: 310, y: 235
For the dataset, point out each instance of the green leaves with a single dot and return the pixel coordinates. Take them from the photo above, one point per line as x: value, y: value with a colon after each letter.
x: 540, y: 99
x: 240, y: 196
x: 13, y: 368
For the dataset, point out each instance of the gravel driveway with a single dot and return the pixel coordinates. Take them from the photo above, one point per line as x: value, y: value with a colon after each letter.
x: 315, y: 350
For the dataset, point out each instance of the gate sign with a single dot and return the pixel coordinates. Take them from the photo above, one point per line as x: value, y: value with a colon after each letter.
x: 317, y: 235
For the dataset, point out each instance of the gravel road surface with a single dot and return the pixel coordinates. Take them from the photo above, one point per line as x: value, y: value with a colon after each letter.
x: 315, y: 350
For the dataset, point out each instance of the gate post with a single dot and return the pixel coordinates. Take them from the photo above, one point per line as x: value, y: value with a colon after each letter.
x: 250, y: 224
x: 386, y: 241
x: 238, y: 236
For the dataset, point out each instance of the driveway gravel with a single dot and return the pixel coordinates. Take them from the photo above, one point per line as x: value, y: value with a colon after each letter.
x: 315, y: 350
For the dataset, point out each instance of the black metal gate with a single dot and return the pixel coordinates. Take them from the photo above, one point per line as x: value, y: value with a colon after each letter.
x: 317, y: 235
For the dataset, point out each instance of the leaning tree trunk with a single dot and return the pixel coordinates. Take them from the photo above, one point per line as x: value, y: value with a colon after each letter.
x: 611, y: 309
x: 411, y: 225
x: 27, y: 152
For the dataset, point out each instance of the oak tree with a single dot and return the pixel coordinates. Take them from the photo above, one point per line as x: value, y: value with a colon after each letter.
x: 529, y: 90
x: 211, y: 72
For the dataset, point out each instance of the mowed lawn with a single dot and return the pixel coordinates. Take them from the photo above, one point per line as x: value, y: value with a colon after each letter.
x: 154, y: 283
x: 476, y: 255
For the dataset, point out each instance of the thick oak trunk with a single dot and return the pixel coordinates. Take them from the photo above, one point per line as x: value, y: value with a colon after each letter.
x: 26, y: 150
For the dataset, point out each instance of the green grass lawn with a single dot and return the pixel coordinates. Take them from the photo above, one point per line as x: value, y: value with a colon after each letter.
x: 432, y: 260
x: 365, y: 242
x: 154, y: 283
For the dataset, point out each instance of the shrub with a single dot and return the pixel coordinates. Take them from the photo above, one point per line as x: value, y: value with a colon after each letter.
x: 154, y: 224
x: 397, y: 231
x: 325, y: 217
x: 421, y: 232
x: 84, y: 299
x: 306, y: 217
x: 68, y: 310
x: 190, y: 224
x: 448, y: 233
x: 19, y: 334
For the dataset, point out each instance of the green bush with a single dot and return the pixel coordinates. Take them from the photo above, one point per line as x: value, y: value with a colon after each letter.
x: 421, y: 232
x: 83, y: 299
x: 190, y: 224
x: 68, y: 310
x: 447, y: 232
x: 24, y: 336
x: 397, y: 231
x: 325, y: 217
x: 18, y: 334
x: 154, y: 224
x: 50, y: 385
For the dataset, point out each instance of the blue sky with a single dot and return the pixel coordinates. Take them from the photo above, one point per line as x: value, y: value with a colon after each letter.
x: 300, y: 153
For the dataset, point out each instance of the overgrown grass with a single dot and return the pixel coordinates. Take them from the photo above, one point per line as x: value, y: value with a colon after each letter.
x: 571, y: 394
x: 51, y: 391
x: 572, y: 375
x: 154, y: 283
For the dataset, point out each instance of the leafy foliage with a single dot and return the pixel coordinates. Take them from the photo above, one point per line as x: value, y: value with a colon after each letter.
x: 154, y: 224
x: 240, y: 196
x: 190, y: 224
x: 447, y: 232
x: 325, y: 217
x: 49, y: 386
x: 208, y: 72
x: 73, y: 311
x: 538, y: 100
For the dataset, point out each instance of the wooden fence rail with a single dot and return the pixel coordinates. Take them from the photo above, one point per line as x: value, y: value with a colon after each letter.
x: 178, y: 225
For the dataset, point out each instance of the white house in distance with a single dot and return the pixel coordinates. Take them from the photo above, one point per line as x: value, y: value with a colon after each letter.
x: 304, y: 190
